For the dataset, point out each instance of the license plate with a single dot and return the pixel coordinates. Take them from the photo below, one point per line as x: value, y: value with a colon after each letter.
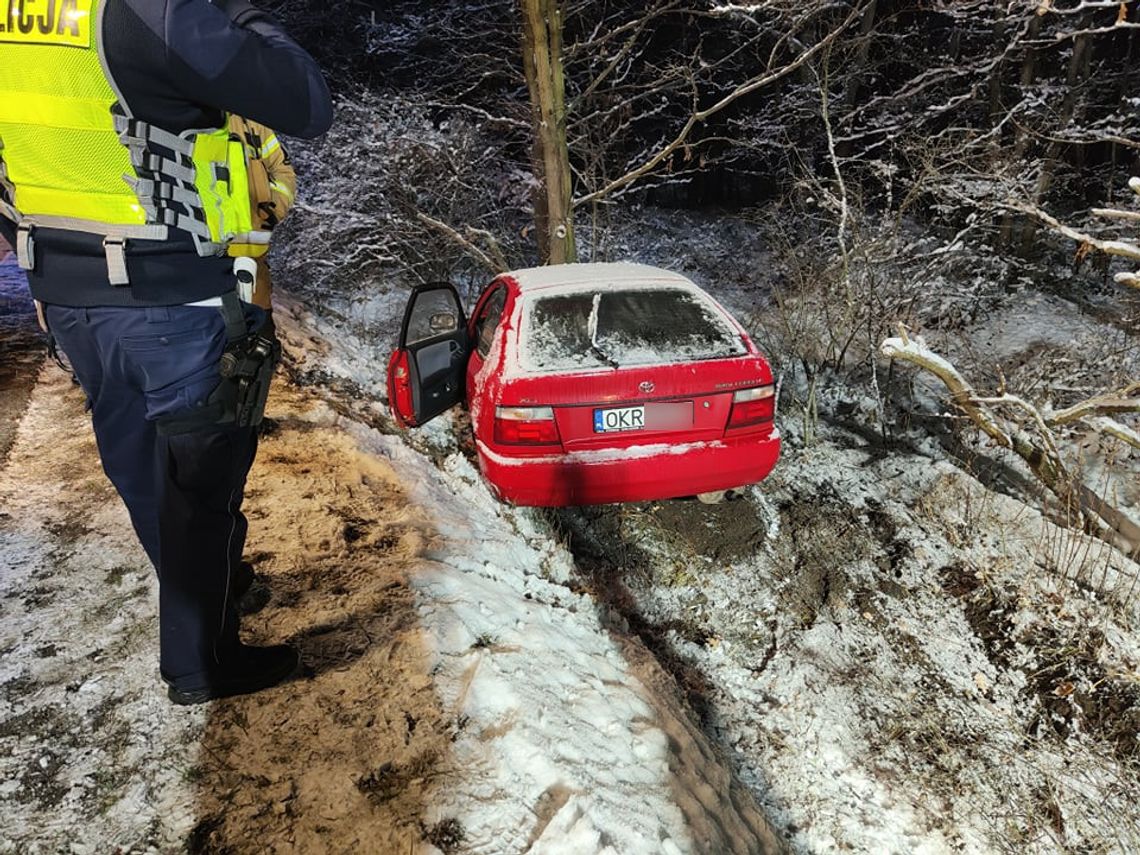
x: 619, y: 419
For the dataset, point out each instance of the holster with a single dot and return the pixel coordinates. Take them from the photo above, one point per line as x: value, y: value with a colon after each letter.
x: 246, y: 368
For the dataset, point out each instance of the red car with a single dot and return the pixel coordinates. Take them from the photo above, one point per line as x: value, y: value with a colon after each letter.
x: 591, y: 383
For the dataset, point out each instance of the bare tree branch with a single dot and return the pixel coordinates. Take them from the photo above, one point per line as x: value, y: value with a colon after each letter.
x: 494, y: 264
x: 701, y: 116
x: 1112, y: 247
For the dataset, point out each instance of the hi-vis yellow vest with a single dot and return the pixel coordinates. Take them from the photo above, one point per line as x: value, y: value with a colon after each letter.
x: 73, y: 157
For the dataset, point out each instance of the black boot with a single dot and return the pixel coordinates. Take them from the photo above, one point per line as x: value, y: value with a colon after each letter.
x: 247, y: 669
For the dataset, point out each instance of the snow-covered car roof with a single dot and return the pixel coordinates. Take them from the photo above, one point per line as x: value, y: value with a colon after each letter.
x: 598, y: 275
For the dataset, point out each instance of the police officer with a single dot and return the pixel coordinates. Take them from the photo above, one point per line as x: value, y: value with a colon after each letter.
x: 120, y: 190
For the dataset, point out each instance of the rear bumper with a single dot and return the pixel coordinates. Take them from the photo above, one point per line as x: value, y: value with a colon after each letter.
x: 635, y: 474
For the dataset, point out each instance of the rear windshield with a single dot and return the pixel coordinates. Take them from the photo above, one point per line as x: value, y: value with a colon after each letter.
x: 599, y: 329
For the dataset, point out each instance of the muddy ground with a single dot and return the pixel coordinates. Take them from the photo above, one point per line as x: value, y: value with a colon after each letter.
x: 344, y: 758
x: 91, y: 754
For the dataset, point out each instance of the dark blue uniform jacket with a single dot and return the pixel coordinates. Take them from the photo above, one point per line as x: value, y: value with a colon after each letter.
x: 181, y: 64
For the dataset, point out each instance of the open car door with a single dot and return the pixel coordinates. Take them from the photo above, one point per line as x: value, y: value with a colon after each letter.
x: 427, y: 371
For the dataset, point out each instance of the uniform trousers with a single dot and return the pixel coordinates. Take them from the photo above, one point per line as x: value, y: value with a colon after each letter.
x: 183, y: 492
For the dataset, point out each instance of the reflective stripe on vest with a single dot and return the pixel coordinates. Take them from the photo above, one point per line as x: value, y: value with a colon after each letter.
x: 73, y: 157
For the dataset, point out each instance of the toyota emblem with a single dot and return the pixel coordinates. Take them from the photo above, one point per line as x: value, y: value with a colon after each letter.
x: 646, y: 386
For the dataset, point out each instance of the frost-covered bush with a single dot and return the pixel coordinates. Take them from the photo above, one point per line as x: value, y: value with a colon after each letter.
x: 381, y: 193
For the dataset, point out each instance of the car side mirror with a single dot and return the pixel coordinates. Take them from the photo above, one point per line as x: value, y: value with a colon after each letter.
x: 443, y: 322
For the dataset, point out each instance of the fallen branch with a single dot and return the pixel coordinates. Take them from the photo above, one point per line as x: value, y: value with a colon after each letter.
x: 1111, y: 247
x: 1115, y: 429
x: 1122, y: 248
x: 1114, y: 403
x: 1041, y: 452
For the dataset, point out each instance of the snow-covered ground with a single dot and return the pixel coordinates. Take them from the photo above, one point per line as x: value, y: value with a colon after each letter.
x: 880, y: 649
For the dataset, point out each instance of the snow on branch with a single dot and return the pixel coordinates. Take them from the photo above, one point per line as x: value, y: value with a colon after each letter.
x: 915, y: 351
x: 698, y: 117
x: 1039, y: 448
x: 1113, y: 428
x: 1122, y: 248
x: 1125, y: 401
x: 1112, y: 247
x: 1112, y: 213
x: 495, y: 262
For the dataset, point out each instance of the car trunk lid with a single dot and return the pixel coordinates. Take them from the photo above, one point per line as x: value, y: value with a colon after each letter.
x: 682, y: 402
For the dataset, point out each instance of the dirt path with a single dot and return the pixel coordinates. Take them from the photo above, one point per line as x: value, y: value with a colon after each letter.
x: 92, y: 756
x: 342, y: 760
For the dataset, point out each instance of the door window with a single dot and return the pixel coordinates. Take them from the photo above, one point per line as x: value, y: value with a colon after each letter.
x: 488, y: 321
x: 433, y: 314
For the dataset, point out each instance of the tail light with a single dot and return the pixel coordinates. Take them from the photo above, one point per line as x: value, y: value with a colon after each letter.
x: 753, y: 407
x: 525, y: 426
x: 400, y: 389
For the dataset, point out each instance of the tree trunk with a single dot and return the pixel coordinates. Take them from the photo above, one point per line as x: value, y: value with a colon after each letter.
x: 995, y: 82
x: 542, y: 62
